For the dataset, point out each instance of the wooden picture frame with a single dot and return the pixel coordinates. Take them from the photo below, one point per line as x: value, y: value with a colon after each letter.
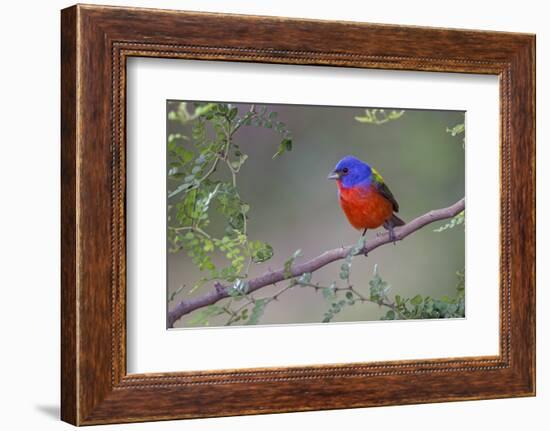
x: 95, y: 43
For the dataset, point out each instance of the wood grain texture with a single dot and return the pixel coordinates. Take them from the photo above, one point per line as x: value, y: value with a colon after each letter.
x: 69, y: 397
x: 96, y: 41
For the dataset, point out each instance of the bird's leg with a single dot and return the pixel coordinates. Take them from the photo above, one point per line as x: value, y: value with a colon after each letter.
x: 363, y: 235
x: 389, y: 226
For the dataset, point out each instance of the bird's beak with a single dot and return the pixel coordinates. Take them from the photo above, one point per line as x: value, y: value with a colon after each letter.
x: 334, y: 176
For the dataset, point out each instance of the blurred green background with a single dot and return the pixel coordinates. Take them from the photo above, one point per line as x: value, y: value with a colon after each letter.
x: 294, y: 206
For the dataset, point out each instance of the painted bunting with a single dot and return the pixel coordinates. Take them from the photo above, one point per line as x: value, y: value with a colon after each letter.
x: 364, y: 196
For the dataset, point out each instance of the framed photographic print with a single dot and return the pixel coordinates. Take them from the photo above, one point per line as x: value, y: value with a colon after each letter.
x: 278, y: 206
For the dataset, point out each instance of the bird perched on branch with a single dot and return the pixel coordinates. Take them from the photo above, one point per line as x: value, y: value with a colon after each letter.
x: 364, y: 196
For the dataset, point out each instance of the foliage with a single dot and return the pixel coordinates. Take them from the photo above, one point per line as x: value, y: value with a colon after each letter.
x: 379, y: 116
x: 417, y: 307
x: 455, y: 221
x: 458, y: 129
x: 459, y: 219
x: 420, y: 307
x: 202, y: 184
x: 257, y: 311
x: 201, y: 317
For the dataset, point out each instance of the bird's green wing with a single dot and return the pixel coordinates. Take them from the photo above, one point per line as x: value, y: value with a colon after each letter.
x: 384, y: 190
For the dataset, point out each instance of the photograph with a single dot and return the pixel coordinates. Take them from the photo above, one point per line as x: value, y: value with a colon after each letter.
x: 282, y: 214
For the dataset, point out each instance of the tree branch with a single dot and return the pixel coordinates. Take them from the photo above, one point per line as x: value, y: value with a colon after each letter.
x: 220, y: 291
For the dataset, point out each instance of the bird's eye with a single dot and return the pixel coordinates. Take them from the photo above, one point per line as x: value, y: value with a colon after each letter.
x: 345, y: 170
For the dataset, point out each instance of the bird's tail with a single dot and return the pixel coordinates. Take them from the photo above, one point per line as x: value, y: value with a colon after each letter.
x: 396, y: 221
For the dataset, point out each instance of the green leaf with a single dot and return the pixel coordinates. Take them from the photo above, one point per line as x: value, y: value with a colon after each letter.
x: 285, y: 145
x: 329, y: 293
x: 417, y: 300
x: 305, y: 278
x: 455, y: 221
x: 239, y: 288
x: 290, y: 262
x: 379, y: 116
x: 204, y: 109
x: 201, y: 317
x: 260, y: 251
x: 257, y: 311
x: 378, y: 287
x: 345, y: 268
x: 179, y: 189
x: 176, y: 292
x: 232, y: 113
x: 356, y: 249
x: 456, y: 130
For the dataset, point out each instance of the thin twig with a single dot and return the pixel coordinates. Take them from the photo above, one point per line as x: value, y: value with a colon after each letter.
x: 195, y: 229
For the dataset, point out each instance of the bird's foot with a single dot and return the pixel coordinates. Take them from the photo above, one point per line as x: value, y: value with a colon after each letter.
x: 363, y: 238
x: 392, y: 235
x: 389, y: 227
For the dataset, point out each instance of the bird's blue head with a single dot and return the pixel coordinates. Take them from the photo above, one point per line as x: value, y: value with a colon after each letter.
x: 350, y: 172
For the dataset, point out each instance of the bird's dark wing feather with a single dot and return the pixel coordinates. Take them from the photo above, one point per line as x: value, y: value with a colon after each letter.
x: 384, y: 190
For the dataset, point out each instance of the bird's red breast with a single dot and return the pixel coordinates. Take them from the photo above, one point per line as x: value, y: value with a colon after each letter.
x: 364, y: 206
